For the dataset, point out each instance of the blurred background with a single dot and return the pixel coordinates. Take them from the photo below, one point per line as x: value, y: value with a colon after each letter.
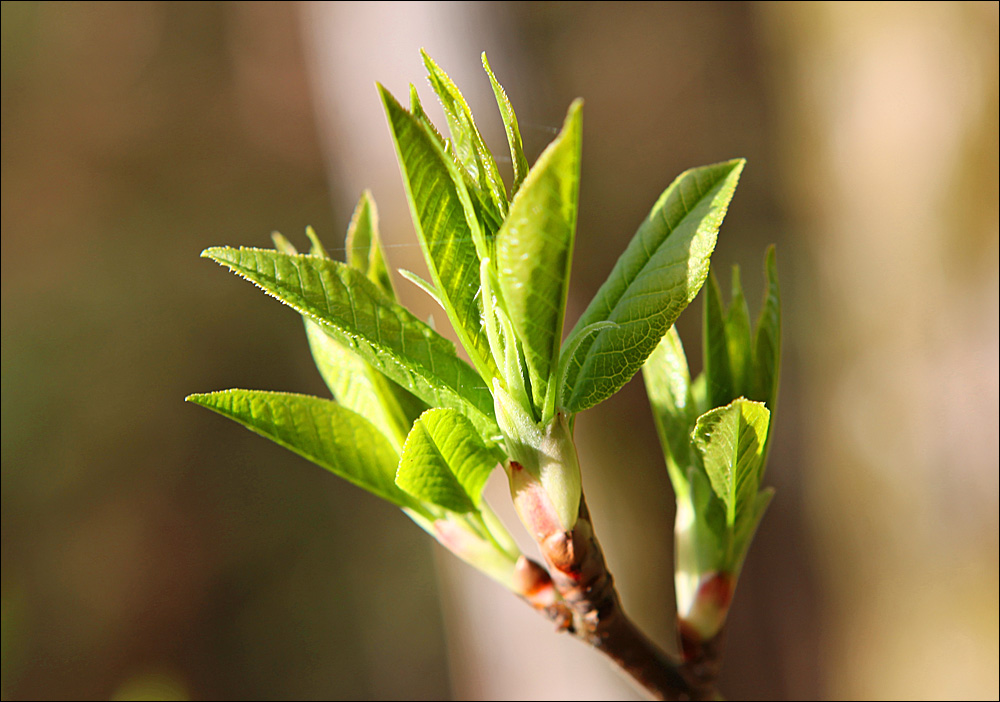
x: 153, y: 550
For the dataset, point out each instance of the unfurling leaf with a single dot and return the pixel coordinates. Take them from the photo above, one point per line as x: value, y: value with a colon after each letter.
x: 517, y: 157
x: 668, y: 384
x: 364, y: 245
x: 471, y: 150
x: 445, y: 462
x: 730, y: 440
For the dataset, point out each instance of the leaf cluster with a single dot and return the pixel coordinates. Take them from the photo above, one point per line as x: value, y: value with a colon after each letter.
x: 414, y: 423
x: 715, y: 430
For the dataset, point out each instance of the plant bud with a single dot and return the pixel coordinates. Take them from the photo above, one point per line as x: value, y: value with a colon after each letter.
x: 707, y: 612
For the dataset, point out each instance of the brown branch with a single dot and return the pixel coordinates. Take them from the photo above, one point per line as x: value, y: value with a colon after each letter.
x: 580, y: 575
x: 702, y: 659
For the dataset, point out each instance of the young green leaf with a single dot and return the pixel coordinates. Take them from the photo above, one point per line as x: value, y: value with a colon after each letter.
x: 364, y: 245
x: 445, y: 462
x: 715, y: 351
x: 387, y: 336
x: 534, y: 248
x: 417, y: 110
x: 659, y: 274
x: 738, y: 339
x: 317, y: 248
x: 423, y: 285
x: 745, y: 529
x: 469, y: 146
x: 767, y: 338
x: 730, y: 440
x: 442, y: 212
x: 353, y: 382
x: 668, y: 384
x: 359, y: 387
x: 702, y: 536
x: 321, y: 431
x: 519, y: 161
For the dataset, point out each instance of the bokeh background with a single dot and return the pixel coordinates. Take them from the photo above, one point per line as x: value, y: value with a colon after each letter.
x: 151, y: 549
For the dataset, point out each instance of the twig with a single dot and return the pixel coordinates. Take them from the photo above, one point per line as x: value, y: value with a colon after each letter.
x: 581, y: 577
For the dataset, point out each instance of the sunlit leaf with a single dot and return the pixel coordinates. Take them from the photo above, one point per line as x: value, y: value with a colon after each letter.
x: 445, y: 462
x: 659, y: 274
x: 730, y: 440
x: 517, y: 157
x: 534, y: 248
x: 319, y: 430
x: 364, y: 245
x: 472, y: 152
x: 442, y: 211
x: 351, y: 309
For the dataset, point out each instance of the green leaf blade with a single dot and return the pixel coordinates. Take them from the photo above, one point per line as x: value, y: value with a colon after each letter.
x: 362, y: 389
x: 534, y: 249
x: 738, y: 339
x: 767, y: 338
x: 718, y: 366
x: 517, y: 157
x: 656, y: 277
x: 384, y: 334
x: 364, y: 245
x: 441, y: 213
x: 668, y: 385
x: 730, y: 440
x: 445, y: 462
x: 472, y: 152
x: 321, y: 431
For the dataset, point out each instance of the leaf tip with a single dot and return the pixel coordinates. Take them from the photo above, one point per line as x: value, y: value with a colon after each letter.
x: 282, y: 244
x: 771, y: 260
x: 429, y: 63
x: 216, y: 253
x: 385, y: 95
x: 199, y: 398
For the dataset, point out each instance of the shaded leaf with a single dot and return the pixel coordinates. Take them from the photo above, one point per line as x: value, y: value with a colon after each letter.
x: 745, y: 529
x: 767, y: 339
x: 738, y: 339
x: 668, y: 385
x: 352, y: 381
x: 359, y: 387
x: 715, y: 351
